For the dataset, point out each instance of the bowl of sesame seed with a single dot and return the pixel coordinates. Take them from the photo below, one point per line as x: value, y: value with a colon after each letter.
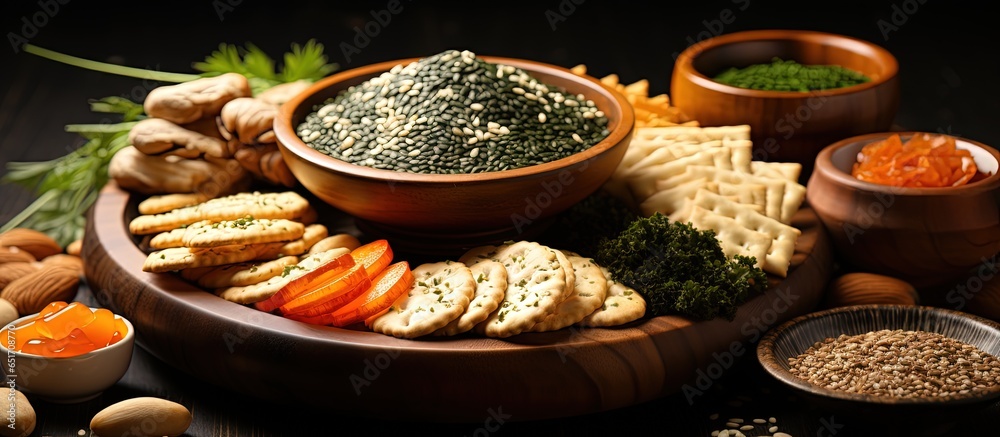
x: 888, y: 356
x: 453, y: 148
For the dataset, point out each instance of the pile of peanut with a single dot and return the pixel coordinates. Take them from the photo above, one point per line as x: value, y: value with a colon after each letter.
x: 208, y: 138
x: 34, y: 271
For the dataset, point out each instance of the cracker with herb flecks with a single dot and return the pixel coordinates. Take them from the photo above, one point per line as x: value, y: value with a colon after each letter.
x: 310, y: 236
x: 440, y: 294
x: 491, y: 282
x: 179, y: 258
x: 536, y: 285
x: 245, y: 230
x: 264, y: 290
x: 588, y: 295
x: 284, y: 205
x: 166, y: 240
x: 243, y: 274
x: 169, y: 202
x: 621, y: 305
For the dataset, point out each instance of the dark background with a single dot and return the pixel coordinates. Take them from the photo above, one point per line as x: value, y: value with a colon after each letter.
x: 948, y: 69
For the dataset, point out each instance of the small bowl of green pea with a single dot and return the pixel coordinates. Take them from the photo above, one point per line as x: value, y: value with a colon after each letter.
x: 798, y: 90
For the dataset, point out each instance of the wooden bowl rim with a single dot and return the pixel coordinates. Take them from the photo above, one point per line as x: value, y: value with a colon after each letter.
x: 289, y: 140
x: 824, y: 166
x: 685, y: 60
x: 768, y: 360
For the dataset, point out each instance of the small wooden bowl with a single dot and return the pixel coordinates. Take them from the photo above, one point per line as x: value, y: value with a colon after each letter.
x: 795, y: 336
x: 925, y: 236
x: 456, y: 209
x: 788, y: 125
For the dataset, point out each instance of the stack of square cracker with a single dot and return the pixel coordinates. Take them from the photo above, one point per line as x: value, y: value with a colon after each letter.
x: 705, y: 176
x: 236, y: 241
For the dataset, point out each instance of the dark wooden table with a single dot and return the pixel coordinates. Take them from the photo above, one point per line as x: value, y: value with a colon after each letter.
x: 948, y: 79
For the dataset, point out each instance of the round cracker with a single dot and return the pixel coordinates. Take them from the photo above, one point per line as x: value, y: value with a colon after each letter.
x: 569, y: 271
x: 491, y: 283
x: 621, y: 305
x: 536, y: 283
x: 588, y: 295
x: 440, y: 293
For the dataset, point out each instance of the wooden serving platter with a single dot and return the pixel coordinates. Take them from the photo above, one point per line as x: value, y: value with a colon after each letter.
x: 570, y: 372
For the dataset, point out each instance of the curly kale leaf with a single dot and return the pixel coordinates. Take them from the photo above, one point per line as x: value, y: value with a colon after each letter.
x: 680, y: 269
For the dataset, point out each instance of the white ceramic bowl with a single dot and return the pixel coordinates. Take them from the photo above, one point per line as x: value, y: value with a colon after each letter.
x: 70, y: 379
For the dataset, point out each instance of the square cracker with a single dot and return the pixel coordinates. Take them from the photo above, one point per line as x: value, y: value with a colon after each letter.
x: 735, y: 239
x: 789, y: 171
x: 711, y: 201
x: 775, y: 188
x: 782, y: 236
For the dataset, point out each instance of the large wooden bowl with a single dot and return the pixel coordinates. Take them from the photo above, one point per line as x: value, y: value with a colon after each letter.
x: 456, y: 207
x: 529, y: 376
x: 926, y: 236
x: 788, y: 126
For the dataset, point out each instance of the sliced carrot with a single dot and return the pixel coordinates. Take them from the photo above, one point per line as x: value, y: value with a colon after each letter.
x: 332, y: 295
x: 393, y: 282
x: 375, y: 256
x: 308, y: 282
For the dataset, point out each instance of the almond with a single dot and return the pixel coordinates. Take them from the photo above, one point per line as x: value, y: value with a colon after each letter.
x: 75, y: 248
x: 15, y: 270
x: 153, y: 416
x: 869, y: 288
x: 8, y: 313
x: 62, y: 259
x: 36, y: 243
x: 14, y: 254
x: 20, y: 414
x: 31, y: 293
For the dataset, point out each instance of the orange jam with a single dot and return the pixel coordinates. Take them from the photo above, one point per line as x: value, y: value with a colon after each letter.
x: 924, y: 160
x: 65, y: 330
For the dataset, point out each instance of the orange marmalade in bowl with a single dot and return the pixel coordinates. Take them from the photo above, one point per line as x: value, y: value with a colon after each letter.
x: 66, y: 330
x: 925, y: 160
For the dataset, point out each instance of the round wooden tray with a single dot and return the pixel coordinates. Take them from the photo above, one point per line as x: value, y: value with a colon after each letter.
x: 570, y: 372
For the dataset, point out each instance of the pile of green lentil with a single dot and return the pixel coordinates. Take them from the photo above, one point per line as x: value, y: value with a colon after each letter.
x: 789, y: 75
x: 453, y: 113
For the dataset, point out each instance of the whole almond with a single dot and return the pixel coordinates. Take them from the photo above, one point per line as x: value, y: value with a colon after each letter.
x: 75, y: 248
x: 21, y: 412
x: 36, y: 243
x: 869, y: 288
x: 15, y: 270
x: 14, y: 255
x: 31, y: 293
x: 8, y: 312
x: 62, y: 259
x: 142, y: 417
